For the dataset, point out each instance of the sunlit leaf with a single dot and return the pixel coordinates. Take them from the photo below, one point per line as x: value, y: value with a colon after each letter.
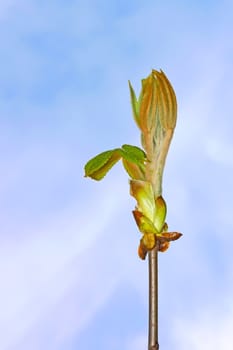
x: 134, y: 154
x: 97, y: 167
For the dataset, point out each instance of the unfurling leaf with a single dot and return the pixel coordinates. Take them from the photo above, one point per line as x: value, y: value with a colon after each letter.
x: 147, y: 107
x: 167, y: 105
x: 134, y: 154
x: 97, y: 167
x: 134, y: 161
x: 160, y: 213
x: 145, y: 225
x: 142, y: 191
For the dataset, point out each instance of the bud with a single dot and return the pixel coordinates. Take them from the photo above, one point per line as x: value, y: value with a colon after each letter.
x: 156, y: 104
x: 155, y: 113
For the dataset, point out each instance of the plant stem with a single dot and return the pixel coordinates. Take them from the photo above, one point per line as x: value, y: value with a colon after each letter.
x: 154, y: 175
x: 153, y: 343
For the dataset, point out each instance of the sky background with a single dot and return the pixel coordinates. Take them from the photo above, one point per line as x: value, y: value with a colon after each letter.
x: 69, y: 272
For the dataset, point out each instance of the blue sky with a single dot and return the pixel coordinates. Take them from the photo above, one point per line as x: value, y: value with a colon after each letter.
x: 69, y: 271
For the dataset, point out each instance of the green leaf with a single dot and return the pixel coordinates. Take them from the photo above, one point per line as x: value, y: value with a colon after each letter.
x: 144, y: 224
x: 97, y: 167
x: 135, y: 105
x: 142, y: 191
x: 134, y: 161
x: 160, y: 213
x: 134, y: 154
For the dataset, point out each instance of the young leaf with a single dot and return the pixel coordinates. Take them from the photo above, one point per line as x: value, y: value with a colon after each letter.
x: 147, y: 104
x: 167, y: 104
x: 97, y: 167
x: 134, y: 104
x: 160, y: 213
x: 142, y: 191
x: 134, y: 161
x: 145, y: 225
x: 134, y: 154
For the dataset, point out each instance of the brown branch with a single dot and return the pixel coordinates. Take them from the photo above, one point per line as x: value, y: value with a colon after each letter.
x: 153, y: 343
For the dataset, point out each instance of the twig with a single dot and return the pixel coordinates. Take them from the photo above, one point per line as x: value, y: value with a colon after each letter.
x: 155, y: 113
x: 153, y: 343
